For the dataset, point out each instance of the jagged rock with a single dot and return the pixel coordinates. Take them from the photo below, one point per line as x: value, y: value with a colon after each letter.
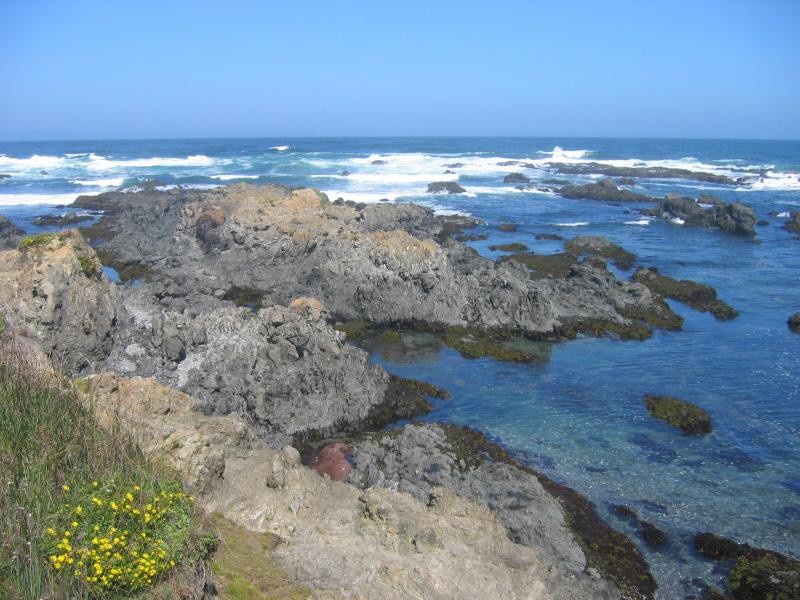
x: 794, y: 322
x: 451, y: 187
x: 707, y: 211
x: 50, y: 291
x: 684, y: 415
x: 516, y: 178
x: 385, y: 264
x: 335, y: 538
x: 605, y: 189
x: 9, y: 233
x: 418, y: 459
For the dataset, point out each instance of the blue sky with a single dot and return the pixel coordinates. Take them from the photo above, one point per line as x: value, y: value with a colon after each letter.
x: 102, y: 69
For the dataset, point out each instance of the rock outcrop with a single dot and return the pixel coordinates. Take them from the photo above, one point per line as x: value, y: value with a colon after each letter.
x: 793, y: 224
x: 794, y: 322
x: 451, y: 187
x: 684, y: 415
x: 697, y: 295
x: 516, y: 178
x: 51, y: 290
x: 707, y: 211
x: 421, y: 458
x: 9, y: 233
x: 594, y: 168
x: 385, y: 264
x: 335, y: 538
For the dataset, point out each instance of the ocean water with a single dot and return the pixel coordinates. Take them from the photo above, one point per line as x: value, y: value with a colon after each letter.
x: 579, y: 417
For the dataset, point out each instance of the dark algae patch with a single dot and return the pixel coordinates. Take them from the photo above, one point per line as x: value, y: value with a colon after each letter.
x: 757, y: 574
x: 599, y: 246
x: 652, y: 535
x: 477, y: 345
x: 353, y: 329
x: 544, y: 265
x: 606, y: 550
x: 686, y: 416
x: 697, y: 295
x: 513, y: 247
x: 242, y: 296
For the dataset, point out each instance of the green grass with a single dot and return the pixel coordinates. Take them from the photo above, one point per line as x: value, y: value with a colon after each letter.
x: 40, y: 239
x: 51, y: 454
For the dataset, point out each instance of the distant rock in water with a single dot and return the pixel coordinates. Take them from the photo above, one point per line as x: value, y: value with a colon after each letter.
x: 507, y: 227
x: 626, y: 181
x: 605, y: 189
x: 697, y: 295
x: 793, y: 224
x: 684, y: 415
x: 548, y: 236
x: 594, y: 168
x: 794, y: 322
x: 61, y: 220
x: 707, y: 211
x: 455, y: 165
x: 516, y: 178
x: 758, y: 574
x: 378, y: 162
x: 4, y: 176
x: 451, y: 187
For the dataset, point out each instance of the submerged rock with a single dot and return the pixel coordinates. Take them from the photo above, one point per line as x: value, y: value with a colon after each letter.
x: 512, y: 247
x: 794, y: 322
x: 684, y: 415
x: 757, y: 574
x: 508, y: 227
x: 652, y: 535
x: 707, y: 211
x: 605, y: 189
x: 451, y: 187
x: 697, y: 295
x: 600, y: 246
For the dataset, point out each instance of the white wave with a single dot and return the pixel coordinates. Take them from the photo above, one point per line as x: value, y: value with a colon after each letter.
x: 36, y: 162
x: 783, y: 215
x: 774, y: 181
x: 558, y: 153
x: 40, y: 199
x: 185, y: 186
x: 391, y: 178
x: 639, y: 222
x: 577, y: 224
x: 111, y: 182
x: 677, y: 221
x: 279, y: 148
x: 229, y: 177
x: 365, y: 197
x: 101, y: 163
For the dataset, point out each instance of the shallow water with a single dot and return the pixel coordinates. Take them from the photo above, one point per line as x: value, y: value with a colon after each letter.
x: 578, y: 417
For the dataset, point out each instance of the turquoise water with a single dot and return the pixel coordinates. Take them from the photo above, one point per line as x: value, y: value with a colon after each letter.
x: 579, y: 418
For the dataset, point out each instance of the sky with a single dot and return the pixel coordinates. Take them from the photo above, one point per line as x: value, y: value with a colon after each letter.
x: 171, y: 69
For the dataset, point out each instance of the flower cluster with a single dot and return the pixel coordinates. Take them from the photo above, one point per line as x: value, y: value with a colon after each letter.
x: 119, y: 539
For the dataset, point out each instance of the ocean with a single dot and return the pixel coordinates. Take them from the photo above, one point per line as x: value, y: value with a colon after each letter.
x: 578, y: 417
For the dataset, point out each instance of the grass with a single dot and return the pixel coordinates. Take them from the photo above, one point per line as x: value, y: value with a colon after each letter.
x: 40, y: 239
x: 61, y: 477
x: 242, y: 568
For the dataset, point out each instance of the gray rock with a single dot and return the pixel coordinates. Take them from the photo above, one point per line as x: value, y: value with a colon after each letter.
x: 451, y: 187
x: 707, y: 211
x: 605, y: 189
x: 9, y: 233
x: 794, y: 322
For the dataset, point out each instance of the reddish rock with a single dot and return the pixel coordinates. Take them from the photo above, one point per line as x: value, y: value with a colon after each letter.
x: 332, y: 461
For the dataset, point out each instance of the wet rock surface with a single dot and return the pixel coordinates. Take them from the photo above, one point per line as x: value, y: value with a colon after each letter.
x: 61, y: 220
x: 707, y: 211
x: 697, y: 295
x: 756, y: 574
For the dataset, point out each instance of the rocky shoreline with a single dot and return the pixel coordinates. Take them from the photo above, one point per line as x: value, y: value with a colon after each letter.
x: 234, y: 340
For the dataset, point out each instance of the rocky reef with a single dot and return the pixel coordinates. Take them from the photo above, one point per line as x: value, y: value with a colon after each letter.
x: 684, y: 415
x: 793, y: 224
x: 697, y: 295
x: 707, y: 211
x: 605, y: 189
x: 794, y: 322
x: 451, y: 187
x: 594, y: 168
